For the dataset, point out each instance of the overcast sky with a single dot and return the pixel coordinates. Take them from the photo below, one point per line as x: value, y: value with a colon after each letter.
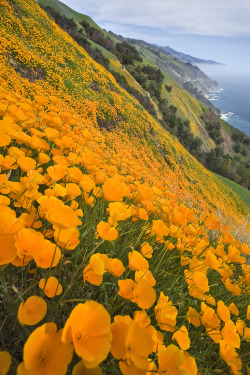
x: 211, y: 29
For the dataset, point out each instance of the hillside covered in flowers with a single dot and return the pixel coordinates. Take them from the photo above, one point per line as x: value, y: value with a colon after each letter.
x: 118, y: 249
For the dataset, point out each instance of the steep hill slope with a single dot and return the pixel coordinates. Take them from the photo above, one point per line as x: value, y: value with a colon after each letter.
x: 63, y: 68
x: 112, y: 257
x: 135, y: 65
x: 190, y: 77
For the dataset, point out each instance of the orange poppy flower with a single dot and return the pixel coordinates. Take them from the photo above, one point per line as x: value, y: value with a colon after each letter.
x: 165, y: 313
x: 119, y: 330
x: 223, y: 311
x: 86, y: 183
x: 106, y: 231
x: 227, y: 352
x: 209, y: 317
x: 41, y: 100
x: 5, y: 362
x: 29, y: 242
x: 49, y: 256
x: 8, y: 221
x: 21, y: 262
x: 229, y: 334
x: 67, y: 238
x: 89, y: 327
x: 43, y: 158
x: 160, y: 228
x: 142, y: 318
x: 189, y: 364
x: 170, y: 359
x: 137, y: 262
x: 116, y: 267
x: 72, y: 190
x: 131, y: 344
x: 58, y: 191
x: 44, y: 352
x: 51, y: 133
x: 81, y: 369
x: 181, y: 336
x: 212, y: 261
x: 32, y: 311
x: 94, y: 271
x: 214, y: 334
x: 193, y: 317
x: 145, y: 192
x: 233, y: 309
x: 241, y: 327
x: 56, y: 172
x: 8, y: 250
x: 212, y: 222
x: 4, y: 201
x: 169, y: 246
x: 31, y: 220
x: 118, y: 211
x: 9, y: 163
x: 144, y: 294
x: 147, y: 250
x: 5, y: 139
x: 26, y: 163
x: 126, y: 288
x: 75, y: 174
x: 179, y: 218
x: 63, y: 217
x: 52, y: 288
x: 198, y: 283
x: 157, y: 191
x: 114, y: 190
x: 48, y: 203
x: 100, y: 177
x: 147, y: 275
x: 232, y: 287
x: 92, y: 277
x: 245, y: 249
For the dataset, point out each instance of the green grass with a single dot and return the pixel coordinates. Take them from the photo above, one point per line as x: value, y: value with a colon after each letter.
x: 242, y: 192
x: 68, y: 12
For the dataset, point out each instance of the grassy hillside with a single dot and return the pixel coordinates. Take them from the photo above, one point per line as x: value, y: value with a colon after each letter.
x: 68, y: 12
x: 63, y: 68
x: 243, y: 193
x: 135, y: 65
x: 112, y: 257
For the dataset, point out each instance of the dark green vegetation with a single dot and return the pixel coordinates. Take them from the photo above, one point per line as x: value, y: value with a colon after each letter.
x: 219, y: 147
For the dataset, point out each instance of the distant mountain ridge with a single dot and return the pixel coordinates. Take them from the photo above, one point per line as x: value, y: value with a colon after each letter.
x: 187, y: 58
x: 187, y: 75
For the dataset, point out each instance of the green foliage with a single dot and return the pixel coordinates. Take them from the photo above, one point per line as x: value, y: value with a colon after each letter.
x: 228, y: 166
x: 168, y: 88
x: 127, y: 54
x: 69, y: 26
x: 212, y: 124
x: 144, y: 100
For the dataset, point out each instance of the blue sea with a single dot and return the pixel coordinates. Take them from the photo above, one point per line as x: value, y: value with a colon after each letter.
x: 233, y: 99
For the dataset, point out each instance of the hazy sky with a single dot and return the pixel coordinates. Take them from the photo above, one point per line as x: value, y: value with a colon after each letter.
x: 211, y: 29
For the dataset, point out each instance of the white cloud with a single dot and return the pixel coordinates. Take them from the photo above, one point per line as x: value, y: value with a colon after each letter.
x: 200, y: 17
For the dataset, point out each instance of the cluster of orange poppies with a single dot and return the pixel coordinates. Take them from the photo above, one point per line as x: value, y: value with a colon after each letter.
x: 165, y: 285
x: 52, y: 170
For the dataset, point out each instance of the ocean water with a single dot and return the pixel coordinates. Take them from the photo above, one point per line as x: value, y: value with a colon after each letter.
x: 233, y: 99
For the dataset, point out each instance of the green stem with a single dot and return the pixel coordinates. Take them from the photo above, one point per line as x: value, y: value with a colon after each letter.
x: 77, y: 271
